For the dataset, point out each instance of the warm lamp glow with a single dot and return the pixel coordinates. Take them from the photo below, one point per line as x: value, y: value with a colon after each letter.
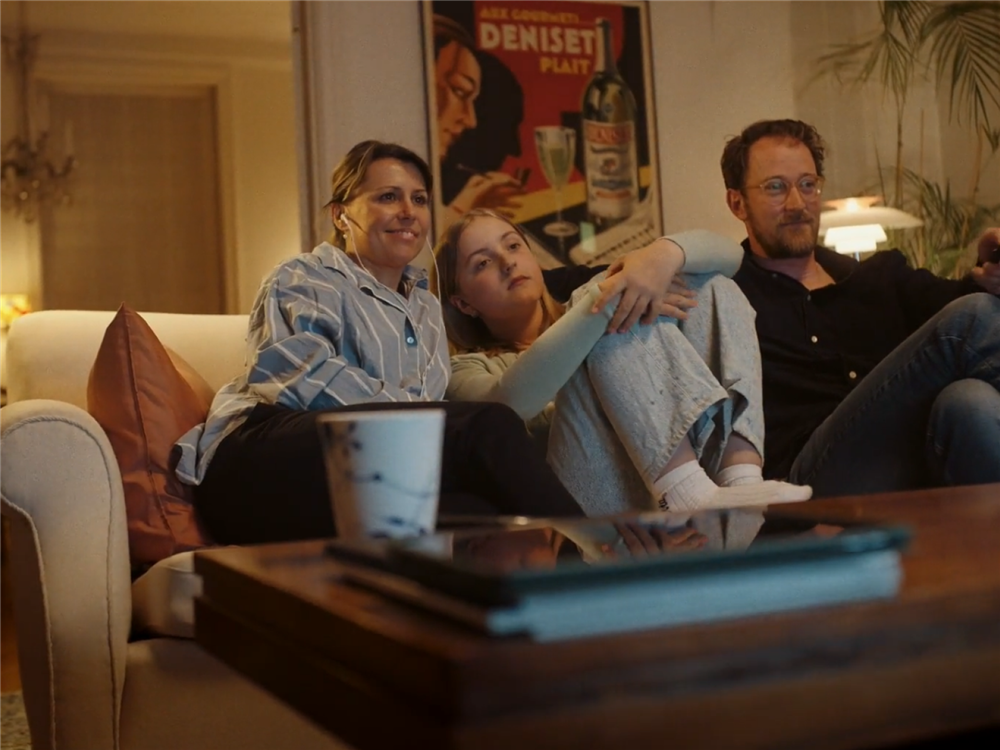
x: 12, y: 307
x: 857, y: 225
x: 863, y: 238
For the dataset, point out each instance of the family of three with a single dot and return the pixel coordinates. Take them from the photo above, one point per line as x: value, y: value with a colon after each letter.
x: 663, y: 414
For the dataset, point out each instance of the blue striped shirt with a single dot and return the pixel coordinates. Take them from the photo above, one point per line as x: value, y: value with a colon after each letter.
x: 325, y: 333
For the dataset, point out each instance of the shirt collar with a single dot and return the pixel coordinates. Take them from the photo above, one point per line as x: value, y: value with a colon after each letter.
x: 336, y: 259
x: 840, y: 267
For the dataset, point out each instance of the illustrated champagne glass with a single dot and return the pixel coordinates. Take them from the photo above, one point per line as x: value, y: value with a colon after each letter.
x: 556, y: 148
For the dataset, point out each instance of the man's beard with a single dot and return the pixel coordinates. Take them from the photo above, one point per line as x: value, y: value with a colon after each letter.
x: 775, y: 246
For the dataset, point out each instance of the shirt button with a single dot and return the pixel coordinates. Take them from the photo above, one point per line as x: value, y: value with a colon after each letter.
x: 852, y: 375
x: 410, y: 340
x: 808, y: 297
x: 814, y: 339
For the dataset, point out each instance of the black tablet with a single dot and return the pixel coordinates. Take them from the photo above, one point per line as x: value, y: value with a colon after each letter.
x: 500, y: 566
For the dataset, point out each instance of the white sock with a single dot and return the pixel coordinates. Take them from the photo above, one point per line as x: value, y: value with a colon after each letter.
x: 688, y: 488
x: 681, y: 488
x: 738, y: 474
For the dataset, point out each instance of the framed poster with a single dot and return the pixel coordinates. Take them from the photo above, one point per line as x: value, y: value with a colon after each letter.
x: 544, y: 110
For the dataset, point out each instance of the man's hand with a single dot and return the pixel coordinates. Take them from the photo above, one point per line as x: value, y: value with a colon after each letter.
x: 988, y: 274
x: 678, y: 300
x: 644, y: 279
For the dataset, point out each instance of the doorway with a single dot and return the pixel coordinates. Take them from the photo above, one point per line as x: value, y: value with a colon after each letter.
x: 144, y: 226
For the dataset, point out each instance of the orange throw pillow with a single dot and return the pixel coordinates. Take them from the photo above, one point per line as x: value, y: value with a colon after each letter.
x: 144, y: 405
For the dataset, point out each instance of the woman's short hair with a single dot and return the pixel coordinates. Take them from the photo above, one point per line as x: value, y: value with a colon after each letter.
x: 351, y: 171
x: 736, y: 154
x: 466, y: 333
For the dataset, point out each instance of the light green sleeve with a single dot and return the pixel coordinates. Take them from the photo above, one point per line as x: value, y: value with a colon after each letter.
x: 529, y: 383
x: 708, y: 252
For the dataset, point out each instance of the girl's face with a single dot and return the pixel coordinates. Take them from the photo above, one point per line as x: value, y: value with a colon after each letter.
x: 388, y: 218
x: 497, y: 275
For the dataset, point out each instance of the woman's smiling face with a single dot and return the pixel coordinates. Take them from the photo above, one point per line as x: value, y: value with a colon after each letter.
x: 498, y: 276
x: 389, y: 216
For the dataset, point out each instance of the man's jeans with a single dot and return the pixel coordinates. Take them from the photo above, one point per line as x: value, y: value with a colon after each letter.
x: 927, y: 415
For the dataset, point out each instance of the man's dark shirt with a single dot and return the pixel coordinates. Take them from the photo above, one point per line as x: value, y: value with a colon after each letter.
x: 563, y: 280
x: 817, y: 346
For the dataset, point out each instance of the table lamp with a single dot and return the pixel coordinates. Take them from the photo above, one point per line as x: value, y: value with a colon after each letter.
x: 12, y: 307
x: 857, y: 225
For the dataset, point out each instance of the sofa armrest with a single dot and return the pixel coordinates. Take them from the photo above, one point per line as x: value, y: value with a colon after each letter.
x: 61, y: 490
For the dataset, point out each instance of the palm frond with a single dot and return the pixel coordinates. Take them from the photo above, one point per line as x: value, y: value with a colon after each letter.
x: 964, y: 39
x: 993, y: 138
x: 888, y: 56
x: 950, y: 226
x: 908, y: 16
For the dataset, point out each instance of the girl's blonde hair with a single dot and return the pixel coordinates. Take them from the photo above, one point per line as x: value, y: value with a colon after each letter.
x: 466, y: 333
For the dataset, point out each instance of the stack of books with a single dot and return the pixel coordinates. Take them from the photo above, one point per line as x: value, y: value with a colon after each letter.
x: 553, y: 580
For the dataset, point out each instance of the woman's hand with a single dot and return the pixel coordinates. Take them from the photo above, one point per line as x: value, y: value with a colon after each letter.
x: 644, y: 278
x: 496, y: 190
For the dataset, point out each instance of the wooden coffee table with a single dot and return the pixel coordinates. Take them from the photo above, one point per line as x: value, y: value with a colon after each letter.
x: 377, y: 674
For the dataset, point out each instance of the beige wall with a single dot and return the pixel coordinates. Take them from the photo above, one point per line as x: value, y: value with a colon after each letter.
x: 718, y: 67
x: 129, y: 44
x: 265, y: 175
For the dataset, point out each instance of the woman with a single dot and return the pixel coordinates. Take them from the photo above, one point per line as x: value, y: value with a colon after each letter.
x: 636, y: 416
x: 352, y: 325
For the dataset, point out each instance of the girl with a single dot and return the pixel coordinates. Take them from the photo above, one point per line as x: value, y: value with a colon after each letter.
x: 637, y: 417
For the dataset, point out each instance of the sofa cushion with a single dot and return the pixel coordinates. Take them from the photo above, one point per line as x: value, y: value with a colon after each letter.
x: 144, y: 405
x: 202, y: 390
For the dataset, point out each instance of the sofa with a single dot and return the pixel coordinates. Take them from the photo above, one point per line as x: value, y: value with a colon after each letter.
x: 93, y: 675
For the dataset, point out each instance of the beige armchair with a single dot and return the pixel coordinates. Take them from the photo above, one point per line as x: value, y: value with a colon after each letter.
x: 87, y: 682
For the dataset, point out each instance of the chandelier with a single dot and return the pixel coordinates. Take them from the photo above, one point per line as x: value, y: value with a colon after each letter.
x: 29, y: 176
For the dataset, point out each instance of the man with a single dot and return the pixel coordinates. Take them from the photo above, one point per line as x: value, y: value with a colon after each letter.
x: 876, y: 376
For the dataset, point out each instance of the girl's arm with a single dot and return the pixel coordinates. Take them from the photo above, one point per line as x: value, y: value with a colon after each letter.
x: 708, y: 252
x: 529, y: 384
x: 643, y: 277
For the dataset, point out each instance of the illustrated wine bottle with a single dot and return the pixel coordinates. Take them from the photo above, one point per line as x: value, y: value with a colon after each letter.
x: 609, y: 148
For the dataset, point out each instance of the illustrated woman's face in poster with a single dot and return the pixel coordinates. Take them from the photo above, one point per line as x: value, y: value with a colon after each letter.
x: 458, y: 79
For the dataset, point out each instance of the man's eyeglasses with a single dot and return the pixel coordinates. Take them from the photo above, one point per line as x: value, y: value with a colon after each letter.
x: 776, y: 189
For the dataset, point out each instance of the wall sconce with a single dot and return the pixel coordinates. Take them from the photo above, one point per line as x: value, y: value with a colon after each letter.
x: 12, y: 307
x: 857, y: 225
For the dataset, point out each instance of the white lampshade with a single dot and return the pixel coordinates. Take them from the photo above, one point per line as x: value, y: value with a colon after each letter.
x: 863, y: 238
x: 855, y: 225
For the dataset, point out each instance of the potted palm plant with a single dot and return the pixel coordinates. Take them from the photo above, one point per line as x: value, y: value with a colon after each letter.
x: 954, y: 44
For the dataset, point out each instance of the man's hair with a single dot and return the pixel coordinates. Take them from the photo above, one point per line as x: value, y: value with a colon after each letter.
x: 351, y: 171
x: 737, y: 151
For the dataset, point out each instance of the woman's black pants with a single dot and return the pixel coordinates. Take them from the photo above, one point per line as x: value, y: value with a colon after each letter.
x: 267, y: 481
